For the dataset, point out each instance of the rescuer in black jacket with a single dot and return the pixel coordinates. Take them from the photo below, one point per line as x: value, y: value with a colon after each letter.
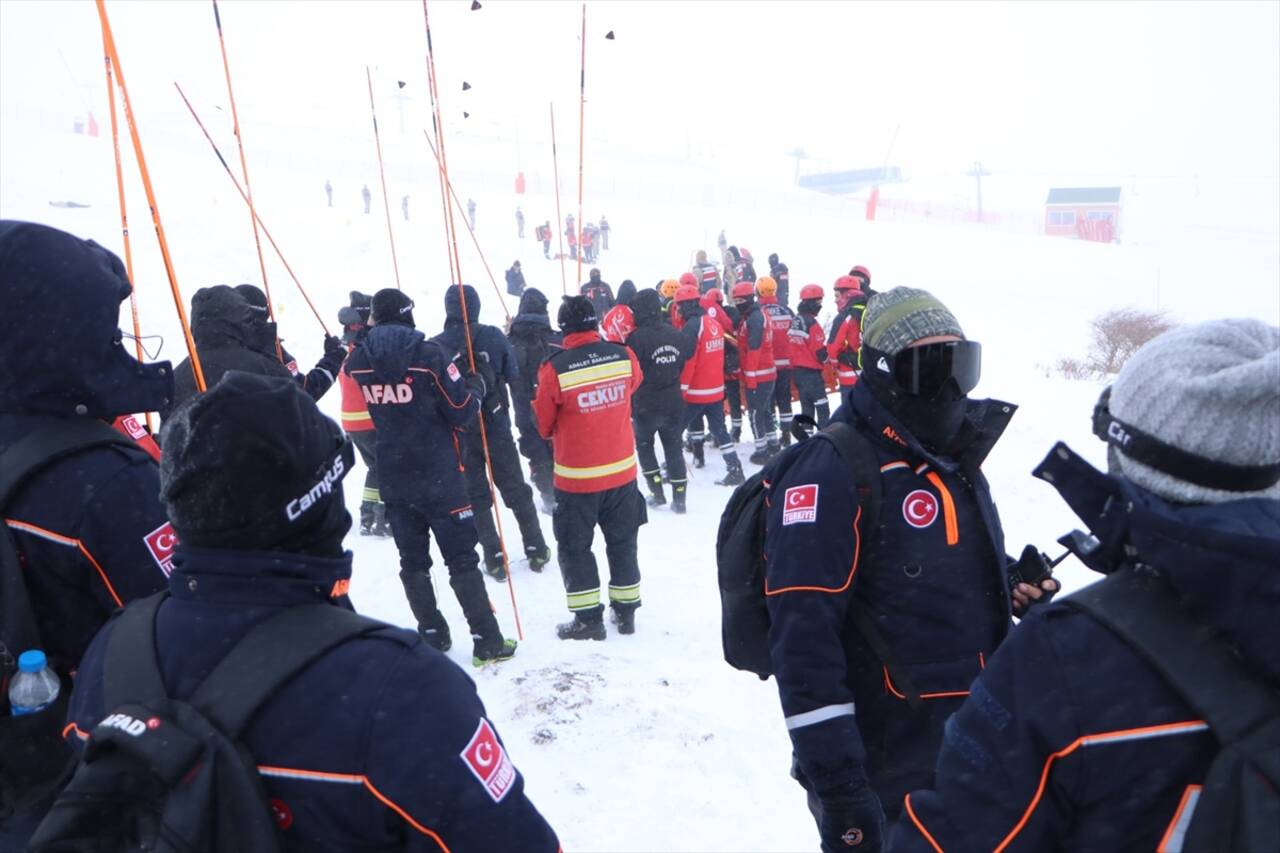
x: 658, y: 405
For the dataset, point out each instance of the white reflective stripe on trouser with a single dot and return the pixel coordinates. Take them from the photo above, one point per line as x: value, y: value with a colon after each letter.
x: 819, y: 715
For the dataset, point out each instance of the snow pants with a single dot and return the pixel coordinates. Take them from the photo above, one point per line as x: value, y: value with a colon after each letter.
x: 536, y: 449
x: 412, y: 526
x: 509, y: 479
x: 695, y: 414
x: 371, y: 509
x: 733, y: 393
x: 668, y: 426
x: 619, y: 512
x: 760, y: 404
x: 813, y: 394
x: 782, y: 399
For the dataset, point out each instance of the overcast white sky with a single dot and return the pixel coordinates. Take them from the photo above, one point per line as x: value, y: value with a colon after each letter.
x: 1168, y: 88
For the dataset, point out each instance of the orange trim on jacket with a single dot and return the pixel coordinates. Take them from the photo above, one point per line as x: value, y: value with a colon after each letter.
x: 857, y: 549
x: 70, y: 542
x: 948, y: 508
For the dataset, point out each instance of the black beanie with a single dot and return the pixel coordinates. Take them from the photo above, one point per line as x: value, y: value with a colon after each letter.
x: 392, y: 306
x: 254, y: 296
x: 253, y: 465
x: 577, y: 314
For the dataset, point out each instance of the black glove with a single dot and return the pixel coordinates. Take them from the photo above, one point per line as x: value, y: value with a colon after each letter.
x: 334, y: 354
x: 1032, y: 568
x: 852, y: 820
x: 820, y: 355
x: 848, y: 358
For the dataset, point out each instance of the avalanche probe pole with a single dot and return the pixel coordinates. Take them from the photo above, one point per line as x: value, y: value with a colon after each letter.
x: 466, y: 324
x: 470, y: 230
x: 382, y: 175
x: 124, y: 217
x: 582, y: 111
x: 555, y: 165
x: 244, y: 167
x: 113, y: 56
x: 261, y: 224
x: 436, y: 130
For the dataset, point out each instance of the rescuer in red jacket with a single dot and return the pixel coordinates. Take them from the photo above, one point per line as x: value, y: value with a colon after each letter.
x: 356, y: 421
x: 583, y: 406
x: 809, y: 354
x: 755, y: 354
x: 846, y: 329
x: 702, y: 381
x: 779, y: 317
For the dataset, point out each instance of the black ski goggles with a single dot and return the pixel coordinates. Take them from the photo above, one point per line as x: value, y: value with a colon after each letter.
x: 925, y: 370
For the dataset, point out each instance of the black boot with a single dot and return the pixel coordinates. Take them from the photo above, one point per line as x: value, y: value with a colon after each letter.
x: 368, y: 518
x: 733, y: 471
x: 699, y: 455
x: 381, y: 528
x: 495, y: 566
x: 624, y: 618
x: 760, y: 456
x: 538, y: 556
x: 492, y: 650
x: 531, y: 531
x: 656, y: 497
x: 422, y: 601
x: 586, y: 625
x: 735, y: 434
x: 786, y: 435
x: 678, y: 493
x: 487, y: 636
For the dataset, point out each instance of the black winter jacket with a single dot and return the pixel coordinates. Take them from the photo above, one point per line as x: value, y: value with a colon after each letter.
x: 662, y: 352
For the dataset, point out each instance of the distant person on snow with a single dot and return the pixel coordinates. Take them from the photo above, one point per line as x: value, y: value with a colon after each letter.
x: 778, y: 272
x: 702, y: 381
x: 599, y: 292
x: 418, y: 398
x: 367, y: 196
x: 779, y: 317
x: 707, y: 273
x: 584, y: 407
x: 657, y: 406
x: 544, y: 234
x: 1079, y: 733
x: 404, y: 207
x: 471, y: 212
x: 328, y: 191
x: 519, y: 223
x: 496, y: 362
x: 882, y: 615
x: 604, y: 233
x: 364, y: 772
x: 515, y: 280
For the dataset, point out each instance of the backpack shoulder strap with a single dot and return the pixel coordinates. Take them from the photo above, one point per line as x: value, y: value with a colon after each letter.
x: 271, y: 654
x: 47, y: 444
x: 1140, y: 609
x: 131, y: 668
x: 864, y: 468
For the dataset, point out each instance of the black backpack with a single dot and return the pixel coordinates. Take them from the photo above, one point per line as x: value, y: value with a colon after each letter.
x: 744, y: 615
x: 166, y: 776
x: 34, y: 758
x: 1238, y: 807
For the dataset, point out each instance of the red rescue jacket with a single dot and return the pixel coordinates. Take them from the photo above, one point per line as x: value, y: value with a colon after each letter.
x: 808, y: 348
x: 755, y: 349
x: 779, y: 317
x: 846, y: 340
x: 355, y: 412
x: 583, y: 406
x: 702, y: 379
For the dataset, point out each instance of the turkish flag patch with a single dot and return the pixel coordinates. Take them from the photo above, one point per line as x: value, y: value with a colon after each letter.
x: 920, y: 508
x: 161, y: 542
x: 453, y: 372
x: 488, y: 761
x: 800, y: 505
x: 133, y: 428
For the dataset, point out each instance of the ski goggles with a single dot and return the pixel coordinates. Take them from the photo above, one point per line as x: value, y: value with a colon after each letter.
x: 925, y: 370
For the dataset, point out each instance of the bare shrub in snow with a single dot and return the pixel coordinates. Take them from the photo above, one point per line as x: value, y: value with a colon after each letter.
x: 1114, y: 337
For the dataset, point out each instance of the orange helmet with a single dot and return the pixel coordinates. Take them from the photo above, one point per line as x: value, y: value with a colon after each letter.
x: 766, y: 286
x: 687, y: 293
x: 669, y: 288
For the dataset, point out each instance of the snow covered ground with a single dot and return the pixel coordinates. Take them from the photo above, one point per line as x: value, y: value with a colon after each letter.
x: 648, y: 742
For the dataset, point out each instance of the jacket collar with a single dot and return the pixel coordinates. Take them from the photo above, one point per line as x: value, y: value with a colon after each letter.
x: 580, y: 339
x: 257, y: 577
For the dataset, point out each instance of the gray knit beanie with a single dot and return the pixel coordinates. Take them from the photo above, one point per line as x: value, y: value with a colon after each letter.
x: 1211, y: 389
x: 897, y: 318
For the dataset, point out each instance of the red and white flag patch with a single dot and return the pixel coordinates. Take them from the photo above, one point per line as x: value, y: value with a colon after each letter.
x: 488, y: 761
x: 133, y: 428
x: 800, y: 505
x: 161, y: 542
x: 920, y: 508
x: 453, y: 372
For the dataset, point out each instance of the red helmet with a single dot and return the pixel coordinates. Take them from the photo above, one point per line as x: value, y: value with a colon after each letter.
x: 715, y: 294
x: 848, y: 282
x: 862, y: 272
x: 744, y: 290
x: 811, y: 291
x: 687, y: 293
x: 745, y: 254
x: 688, y: 279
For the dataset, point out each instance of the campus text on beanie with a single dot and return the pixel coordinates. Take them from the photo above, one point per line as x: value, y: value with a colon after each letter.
x: 577, y: 314
x: 1211, y: 390
x: 897, y: 318
x: 390, y: 305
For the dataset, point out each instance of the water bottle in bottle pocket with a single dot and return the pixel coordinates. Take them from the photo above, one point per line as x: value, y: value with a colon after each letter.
x: 35, y: 686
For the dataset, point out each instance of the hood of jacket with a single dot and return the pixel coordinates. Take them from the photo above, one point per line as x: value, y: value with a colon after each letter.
x: 221, y: 318
x: 532, y: 314
x: 453, y: 304
x: 626, y: 292
x: 390, y: 348
x: 646, y: 308
x: 60, y: 339
x: 1221, y: 560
